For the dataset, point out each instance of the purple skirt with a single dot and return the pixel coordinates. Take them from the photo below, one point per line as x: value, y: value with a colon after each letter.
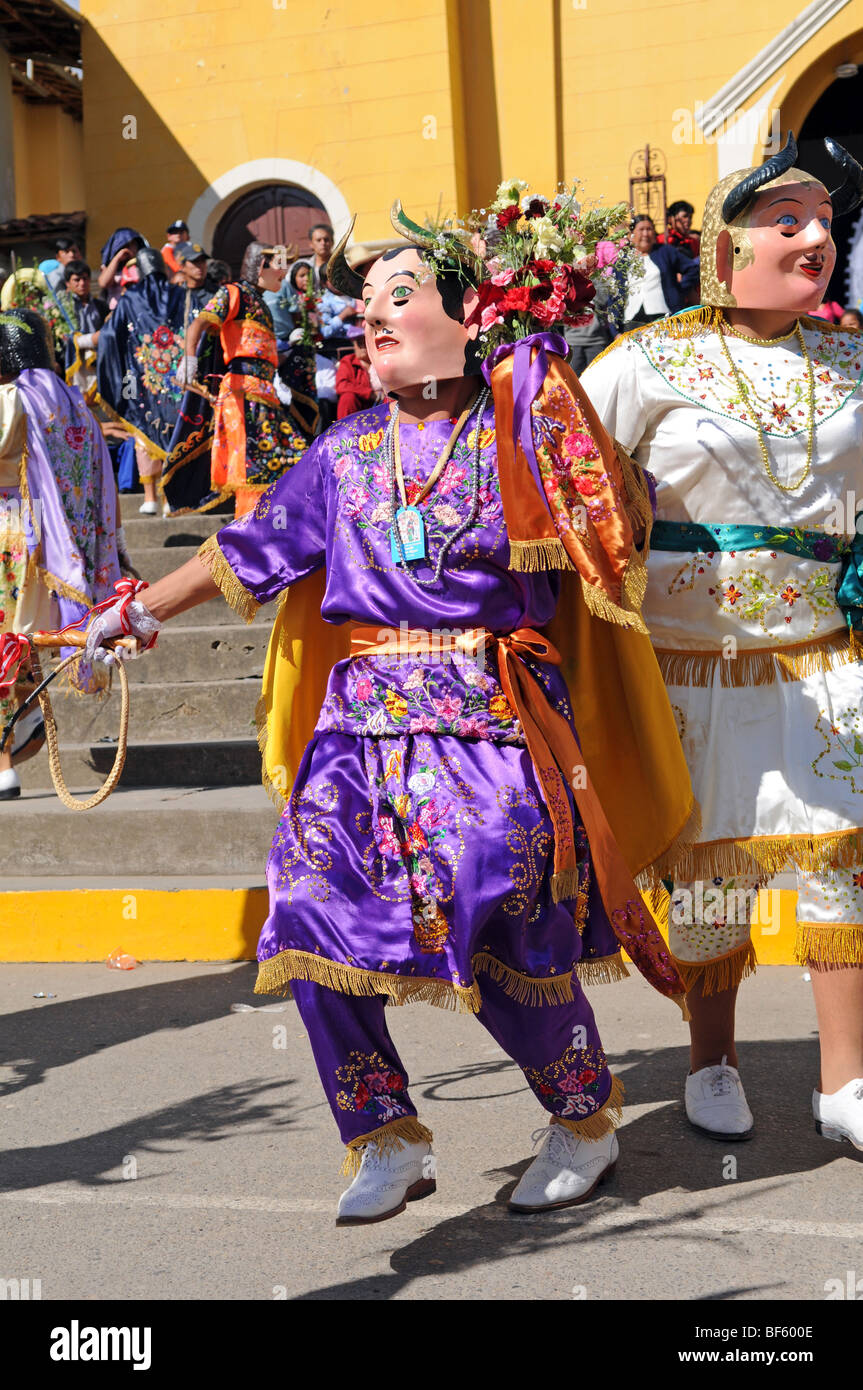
x: 405, y: 866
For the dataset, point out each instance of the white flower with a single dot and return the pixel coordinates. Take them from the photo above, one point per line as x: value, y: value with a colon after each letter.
x: 548, y: 238
x: 378, y: 722
x: 421, y: 782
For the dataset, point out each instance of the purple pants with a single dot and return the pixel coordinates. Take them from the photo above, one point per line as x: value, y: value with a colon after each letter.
x: 557, y: 1047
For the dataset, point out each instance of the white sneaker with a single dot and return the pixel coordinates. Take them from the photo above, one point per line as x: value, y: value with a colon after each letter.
x: 716, y: 1104
x: 148, y: 509
x: 565, y: 1171
x: 10, y: 785
x: 840, y: 1116
x: 29, y: 735
x: 385, y: 1183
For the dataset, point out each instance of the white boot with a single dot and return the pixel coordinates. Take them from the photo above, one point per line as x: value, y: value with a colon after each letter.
x: 716, y: 1104
x: 386, y: 1182
x: 840, y: 1116
x: 566, y: 1170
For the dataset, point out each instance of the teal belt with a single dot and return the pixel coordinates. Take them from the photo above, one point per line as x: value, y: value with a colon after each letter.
x: 809, y: 545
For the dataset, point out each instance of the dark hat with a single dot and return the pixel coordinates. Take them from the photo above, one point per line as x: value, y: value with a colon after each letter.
x: 178, y: 226
x: 188, y: 251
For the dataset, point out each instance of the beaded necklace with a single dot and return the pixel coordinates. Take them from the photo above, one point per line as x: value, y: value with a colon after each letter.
x: 743, y: 395
x: 397, y: 481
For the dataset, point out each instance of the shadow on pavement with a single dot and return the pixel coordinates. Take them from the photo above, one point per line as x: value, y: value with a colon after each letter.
x: 206, y: 1118
x: 35, y: 1041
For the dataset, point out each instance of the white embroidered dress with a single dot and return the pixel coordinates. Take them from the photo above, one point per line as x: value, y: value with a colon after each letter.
x: 776, y: 763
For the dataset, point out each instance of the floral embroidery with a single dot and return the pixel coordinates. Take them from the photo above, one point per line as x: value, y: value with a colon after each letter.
x: 780, y: 399
x: 570, y: 1086
x: 762, y: 598
x: 372, y: 1087
x: 412, y: 826
x: 843, y: 747
x: 382, y: 695
x: 158, y: 354
x: 707, y: 920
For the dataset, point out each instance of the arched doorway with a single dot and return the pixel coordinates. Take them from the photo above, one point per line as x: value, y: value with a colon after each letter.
x: 837, y: 112
x: 277, y: 213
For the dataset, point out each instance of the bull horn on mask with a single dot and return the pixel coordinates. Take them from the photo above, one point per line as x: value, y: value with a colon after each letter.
x: 743, y: 192
x: 849, y: 195
x: 340, y: 277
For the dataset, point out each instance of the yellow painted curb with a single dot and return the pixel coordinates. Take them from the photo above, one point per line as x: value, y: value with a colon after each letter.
x: 151, y: 924
x: 208, y: 924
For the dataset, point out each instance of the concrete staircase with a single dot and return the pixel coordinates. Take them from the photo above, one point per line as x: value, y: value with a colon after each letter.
x: 190, y: 802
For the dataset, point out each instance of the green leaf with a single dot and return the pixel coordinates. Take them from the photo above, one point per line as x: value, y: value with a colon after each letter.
x: 858, y: 744
x: 844, y: 766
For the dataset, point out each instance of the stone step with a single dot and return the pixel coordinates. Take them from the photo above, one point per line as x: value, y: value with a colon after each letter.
x: 208, y: 763
x: 164, y: 712
x: 130, y: 509
x: 154, y: 562
x: 191, y: 654
x: 143, y: 531
x: 168, y: 831
x: 217, y: 613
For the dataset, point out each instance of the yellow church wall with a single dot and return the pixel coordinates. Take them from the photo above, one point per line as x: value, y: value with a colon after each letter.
x: 49, y: 159
x: 629, y: 69
x: 214, y: 85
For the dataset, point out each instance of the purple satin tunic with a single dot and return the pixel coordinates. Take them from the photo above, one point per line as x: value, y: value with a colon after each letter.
x: 416, y: 834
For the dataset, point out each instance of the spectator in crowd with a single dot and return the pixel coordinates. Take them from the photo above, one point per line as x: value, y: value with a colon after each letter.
x: 589, y: 339
x: 851, y: 318
x: 353, y: 384
x: 341, y: 317
x: 321, y: 237
x: 669, y: 277
x: 218, y: 274
x: 177, y: 233
x: 828, y: 310
x: 122, y: 246
x: 280, y: 304
x: 193, y: 264
x: 678, y: 229
x: 65, y: 250
x: 87, y: 316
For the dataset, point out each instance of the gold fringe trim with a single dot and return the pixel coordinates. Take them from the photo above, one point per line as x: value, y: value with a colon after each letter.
x: 146, y: 444
x: 759, y: 665
x: 59, y: 586
x: 601, y: 606
x: 688, y: 324
x: 525, y: 989
x: 685, y: 840
x: 721, y: 974
x: 547, y: 553
x: 638, y: 498
x: 767, y: 854
x: 389, y: 1139
x: 834, y: 944
x: 236, y: 594
x: 564, y: 884
x: 277, y: 972
x: 279, y: 799
x: 604, y: 970
x: 604, y: 1121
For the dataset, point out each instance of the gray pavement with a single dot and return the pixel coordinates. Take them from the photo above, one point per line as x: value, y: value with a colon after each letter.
x: 156, y: 1145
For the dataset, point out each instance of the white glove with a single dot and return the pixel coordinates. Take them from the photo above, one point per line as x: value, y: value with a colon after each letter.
x: 187, y: 370
x: 85, y: 340
x: 105, y: 626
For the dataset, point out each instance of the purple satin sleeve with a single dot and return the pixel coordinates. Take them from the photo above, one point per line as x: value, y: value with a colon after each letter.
x: 285, y: 537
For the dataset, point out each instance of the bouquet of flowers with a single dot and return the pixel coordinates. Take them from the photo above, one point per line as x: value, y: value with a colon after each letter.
x: 306, y: 312
x: 30, y: 291
x: 542, y: 259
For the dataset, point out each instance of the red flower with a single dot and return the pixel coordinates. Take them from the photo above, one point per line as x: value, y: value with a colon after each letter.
x: 542, y: 267
x: 361, y: 1097
x: 487, y: 294
x: 395, y: 1082
x: 510, y: 214
x: 163, y: 336
x: 586, y: 486
x: 536, y: 207
x: 518, y: 299
x: 587, y: 1075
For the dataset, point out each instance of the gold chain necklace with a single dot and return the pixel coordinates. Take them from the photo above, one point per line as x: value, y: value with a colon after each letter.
x: 765, y: 342
x: 743, y: 396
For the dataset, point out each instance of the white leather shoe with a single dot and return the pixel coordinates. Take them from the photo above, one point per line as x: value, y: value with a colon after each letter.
x: 565, y: 1171
x: 148, y: 509
x: 716, y: 1104
x: 840, y: 1116
x: 386, y: 1182
x: 10, y: 785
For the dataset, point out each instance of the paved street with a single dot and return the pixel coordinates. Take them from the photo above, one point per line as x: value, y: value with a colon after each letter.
x: 158, y: 1145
